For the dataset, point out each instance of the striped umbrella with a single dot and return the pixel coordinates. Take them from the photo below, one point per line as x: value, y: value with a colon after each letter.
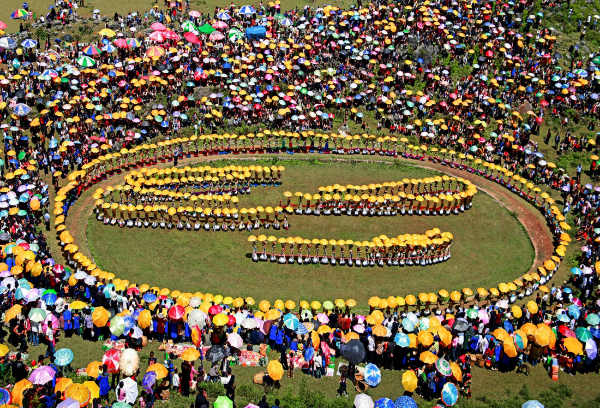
x: 291, y: 321
x: 7, y: 42
x: 223, y: 16
x: 247, y: 11
x: 19, y: 13
x: 132, y: 42
x: 235, y: 34
x: 29, y: 43
x: 86, y: 62
x: 155, y: 52
x: 188, y: 26
x: 92, y: 50
x: 286, y: 22
x: 63, y: 357
x: 109, y: 48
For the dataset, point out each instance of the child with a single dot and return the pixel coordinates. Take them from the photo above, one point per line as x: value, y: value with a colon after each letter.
x: 176, y: 382
x: 193, y: 384
x: 342, y: 389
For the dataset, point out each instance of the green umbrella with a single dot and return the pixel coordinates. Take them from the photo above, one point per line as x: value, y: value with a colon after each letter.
x: 443, y: 366
x: 21, y: 155
x: 327, y: 305
x: 188, y: 26
x: 593, y: 319
x: 117, y: 325
x: 222, y: 402
x: 86, y: 62
x: 158, y: 118
x: 583, y: 334
x: 49, y: 291
x: 596, y: 61
x: 206, y: 29
x: 472, y: 314
x: 22, y: 213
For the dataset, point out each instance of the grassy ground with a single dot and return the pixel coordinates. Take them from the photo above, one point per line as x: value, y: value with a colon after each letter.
x: 186, y: 260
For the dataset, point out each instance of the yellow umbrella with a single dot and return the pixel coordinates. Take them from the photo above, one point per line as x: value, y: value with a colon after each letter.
x: 159, y: 369
x: 532, y: 307
x: 18, y: 389
x: 529, y: 329
x: 78, y: 305
x: 79, y: 393
x: 374, y: 301
x: 144, y: 319
x: 516, y: 311
x: 3, y: 350
x: 409, y: 381
x: 275, y: 370
x: 100, y: 316
x: 93, y: 388
x: 272, y: 314
x: 264, y: 305
x: 220, y: 319
x: 324, y: 329
x: 191, y: 354
x: 12, y: 313
x: 501, y: 334
x: 428, y: 357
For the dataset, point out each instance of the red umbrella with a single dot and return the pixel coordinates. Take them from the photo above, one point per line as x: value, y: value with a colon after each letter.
x: 111, y: 360
x: 58, y: 268
x: 215, y: 310
x: 176, y: 312
x: 489, y: 54
x: 191, y: 37
x: 133, y: 290
x: 171, y: 35
x: 121, y: 43
x: 231, y: 321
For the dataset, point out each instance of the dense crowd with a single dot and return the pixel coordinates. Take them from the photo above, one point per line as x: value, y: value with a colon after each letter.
x: 294, y: 81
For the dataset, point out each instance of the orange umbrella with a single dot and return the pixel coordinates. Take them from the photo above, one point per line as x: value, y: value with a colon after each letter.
x: 510, y: 349
x: 100, y: 316
x: 379, y: 330
x: 18, y: 389
x: 425, y: 338
x: 159, y: 369
x: 93, y: 369
x: 144, y: 319
x: 456, y: 372
x: 501, y: 335
x: 428, y: 357
x: 573, y: 345
x: 190, y: 354
x: 62, y: 384
x: 542, y: 337
x: 275, y: 370
x: 529, y: 329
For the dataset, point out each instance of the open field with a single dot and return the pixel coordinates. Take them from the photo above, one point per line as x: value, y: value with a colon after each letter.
x: 218, y: 262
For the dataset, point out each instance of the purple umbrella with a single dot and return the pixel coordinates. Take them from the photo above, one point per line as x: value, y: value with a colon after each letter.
x: 149, y: 380
x: 42, y: 375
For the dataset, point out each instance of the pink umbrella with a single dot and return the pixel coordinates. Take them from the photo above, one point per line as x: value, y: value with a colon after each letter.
x: 323, y: 318
x: 2, y: 25
x: 216, y: 36
x: 51, y: 321
x: 220, y: 25
x: 158, y: 27
x: 194, y: 13
x: 121, y: 43
x: 325, y: 348
x: 360, y: 318
x: 235, y: 340
x: 359, y: 328
x: 577, y: 302
x: 42, y: 375
x: 483, y: 316
x: 157, y: 36
x: 191, y: 37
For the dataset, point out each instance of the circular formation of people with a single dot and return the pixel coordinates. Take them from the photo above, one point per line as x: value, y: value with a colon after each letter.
x: 458, y: 83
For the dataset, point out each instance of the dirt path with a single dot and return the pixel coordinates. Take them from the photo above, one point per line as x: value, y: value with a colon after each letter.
x: 526, y: 214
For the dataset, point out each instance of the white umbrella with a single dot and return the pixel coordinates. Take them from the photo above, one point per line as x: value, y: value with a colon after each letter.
x: 249, y: 323
x: 68, y: 403
x: 129, y: 362
x: 197, y: 318
x: 235, y: 340
x: 363, y: 401
x: 130, y: 389
x: 195, y: 301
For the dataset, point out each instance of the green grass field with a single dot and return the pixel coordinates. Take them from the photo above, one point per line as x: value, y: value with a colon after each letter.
x: 218, y: 262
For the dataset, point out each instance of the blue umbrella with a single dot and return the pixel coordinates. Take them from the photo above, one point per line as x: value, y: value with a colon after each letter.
x: 129, y: 323
x: 408, y: 324
x: 309, y: 353
x: 533, y: 404
x: 149, y: 380
x: 21, y: 109
x: 29, y: 43
x: 149, y: 297
x: 247, y: 11
x: 291, y: 321
x: 574, y: 311
x: 372, y: 375
x: 5, y: 396
x: 223, y: 16
x: 595, y: 332
x: 7, y: 42
x: 402, y: 340
x: 449, y: 394
x: 405, y: 402
x: 49, y: 298
x: 301, y: 329
x: 567, y: 290
x: 63, y: 357
x: 109, y: 48
x: 563, y: 318
x: 384, y: 403
x: 576, y: 271
x: 508, y: 326
x: 21, y: 293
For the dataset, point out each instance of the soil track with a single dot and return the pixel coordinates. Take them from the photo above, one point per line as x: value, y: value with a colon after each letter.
x: 527, y: 215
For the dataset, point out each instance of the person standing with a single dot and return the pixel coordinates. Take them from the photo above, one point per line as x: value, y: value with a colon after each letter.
x: 229, y: 384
